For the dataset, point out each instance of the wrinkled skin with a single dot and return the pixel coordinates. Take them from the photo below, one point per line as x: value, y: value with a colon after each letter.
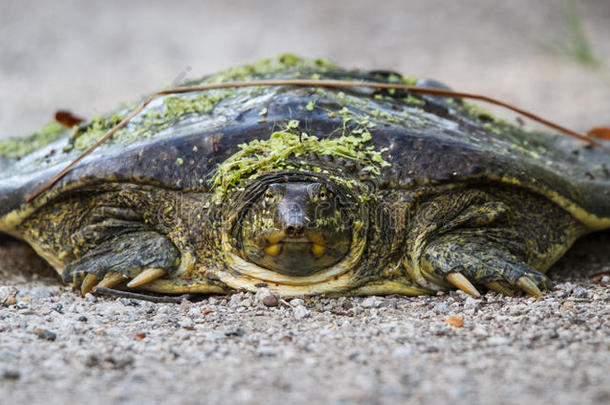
x: 418, y: 238
x: 420, y: 195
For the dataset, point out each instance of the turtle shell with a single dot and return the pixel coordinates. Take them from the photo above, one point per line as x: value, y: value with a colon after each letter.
x: 179, y: 140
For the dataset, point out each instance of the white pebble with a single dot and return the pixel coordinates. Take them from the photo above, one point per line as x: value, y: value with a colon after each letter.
x: 301, y: 312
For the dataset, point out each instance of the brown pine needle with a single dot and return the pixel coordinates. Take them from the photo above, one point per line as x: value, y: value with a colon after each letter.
x: 145, y: 297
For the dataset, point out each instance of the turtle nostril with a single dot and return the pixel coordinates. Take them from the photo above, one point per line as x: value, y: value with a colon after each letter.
x: 292, y: 230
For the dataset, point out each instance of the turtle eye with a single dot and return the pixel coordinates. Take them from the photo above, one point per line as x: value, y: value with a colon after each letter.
x: 269, y: 196
x: 318, y: 192
x: 324, y: 195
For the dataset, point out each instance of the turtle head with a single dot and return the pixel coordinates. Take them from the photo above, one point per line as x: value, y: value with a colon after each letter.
x: 296, y: 228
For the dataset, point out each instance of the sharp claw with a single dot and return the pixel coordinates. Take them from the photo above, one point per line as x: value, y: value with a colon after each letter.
x: 88, y: 283
x: 500, y: 288
x: 146, y: 276
x: 111, y: 279
x: 461, y: 282
x: 529, y: 286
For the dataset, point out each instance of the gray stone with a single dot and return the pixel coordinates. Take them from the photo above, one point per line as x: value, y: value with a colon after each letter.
x: 301, y: 312
x: 372, y: 302
x: 579, y: 292
x: 296, y: 301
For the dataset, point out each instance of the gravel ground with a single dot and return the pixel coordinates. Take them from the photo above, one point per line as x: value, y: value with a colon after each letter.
x: 57, y: 347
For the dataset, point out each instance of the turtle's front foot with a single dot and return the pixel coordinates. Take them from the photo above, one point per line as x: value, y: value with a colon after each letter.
x: 466, y: 262
x: 136, y: 258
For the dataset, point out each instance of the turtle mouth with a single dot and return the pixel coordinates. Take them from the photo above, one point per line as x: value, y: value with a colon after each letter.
x: 300, y: 255
x: 275, y: 246
x: 295, y: 274
x: 296, y: 240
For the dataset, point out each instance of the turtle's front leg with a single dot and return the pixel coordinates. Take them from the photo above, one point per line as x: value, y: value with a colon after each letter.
x: 462, y: 258
x: 139, y: 256
x: 491, y: 238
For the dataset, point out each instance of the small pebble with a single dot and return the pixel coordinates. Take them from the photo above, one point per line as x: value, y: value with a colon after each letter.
x: 10, y: 375
x: 186, y: 323
x: 579, y: 292
x: 441, y: 308
x: 456, y: 321
x: 498, y: 341
x: 296, y: 301
x: 235, y: 301
x: 11, y: 300
x: 270, y: 301
x: 372, y: 302
x: 46, y: 334
x: 235, y: 331
x: 261, y: 296
x: 300, y: 312
x: 472, y: 303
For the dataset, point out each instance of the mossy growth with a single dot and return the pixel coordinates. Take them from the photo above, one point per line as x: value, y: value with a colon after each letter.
x: 17, y: 148
x: 280, y: 151
x: 286, y: 62
x: 178, y: 106
x: 152, y: 120
x: 88, y: 133
x: 410, y: 80
x: 414, y: 100
x: 482, y: 114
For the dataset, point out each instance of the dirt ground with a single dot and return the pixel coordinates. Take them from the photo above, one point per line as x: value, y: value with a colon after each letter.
x: 56, y: 347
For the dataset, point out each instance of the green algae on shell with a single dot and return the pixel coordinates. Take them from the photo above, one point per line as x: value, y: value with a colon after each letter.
x: 263, y: 156
x: 17, y: 148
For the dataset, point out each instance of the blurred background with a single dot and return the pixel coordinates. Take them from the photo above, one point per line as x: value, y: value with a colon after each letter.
x: 549, y: 56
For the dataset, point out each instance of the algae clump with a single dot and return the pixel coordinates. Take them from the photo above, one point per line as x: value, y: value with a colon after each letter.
x: 17, y: 148
x: 275, y: 153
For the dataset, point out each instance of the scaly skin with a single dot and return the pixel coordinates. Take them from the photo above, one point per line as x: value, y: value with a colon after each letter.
x: 414, y: 240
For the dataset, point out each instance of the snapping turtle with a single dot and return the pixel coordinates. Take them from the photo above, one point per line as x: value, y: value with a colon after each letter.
x: 305, y: 190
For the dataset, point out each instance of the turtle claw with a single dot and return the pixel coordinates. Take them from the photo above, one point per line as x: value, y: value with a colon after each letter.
x: 529, y: 286
x: 146, y: 277
x: 500, y: 287
x: 88, y: 283
x: 460, y: 281
x: 111, y: 279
